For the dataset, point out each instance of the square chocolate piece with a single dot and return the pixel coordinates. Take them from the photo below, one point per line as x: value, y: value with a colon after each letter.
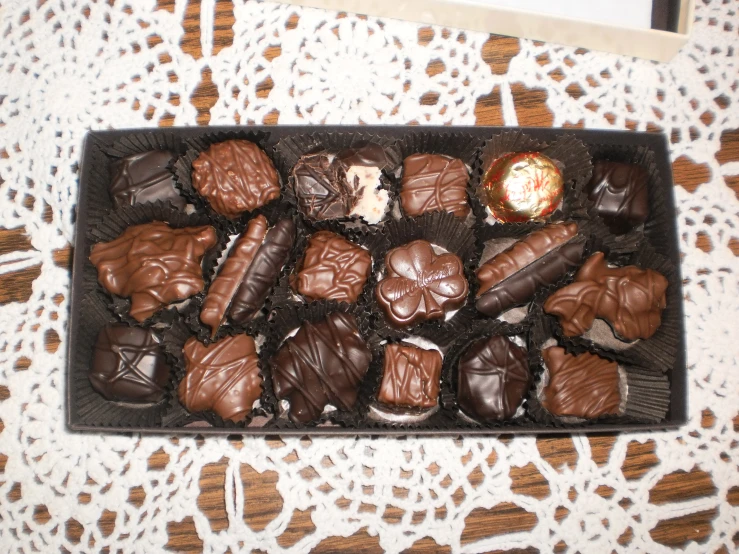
x: 144, y: 177
x: 410, y: 376
x: 434, y: 182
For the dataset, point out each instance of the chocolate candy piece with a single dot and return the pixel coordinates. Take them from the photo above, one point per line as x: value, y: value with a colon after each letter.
x: 512, y: 277
x: 523, y: 186
x: 263, y: 271
x: 619, y: 192
x: 322, y: 189
x: 629, y: 298
x: 434, y: 182
x: 231, y: 275
x: 493, y: 377
x: 222, y: 377
x: 365, y: 155
x: 410, y: 376
x: 144, y: 177
x: 332, y: 269
x: 581, y: 386
x: 420, y: 285
x: 322, y: 364
x: 128, y: 365
x: 236, y: 176
x: 153, y: 264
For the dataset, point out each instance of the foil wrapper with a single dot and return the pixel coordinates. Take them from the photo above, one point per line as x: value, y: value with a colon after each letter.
x: 520, y: 187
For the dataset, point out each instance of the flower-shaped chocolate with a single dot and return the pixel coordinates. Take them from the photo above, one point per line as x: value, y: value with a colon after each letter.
x: 420, y: 285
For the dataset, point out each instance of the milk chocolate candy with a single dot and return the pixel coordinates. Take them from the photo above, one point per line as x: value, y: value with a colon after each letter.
x: 512, y: 277
x: 420, y: 285
x: 520, y: 187
x: 144, y: 177
x: 493, y: 377
x: 236, y: 176
x: 322, y: 364
x: 333, y: 268
x: 263, y: 271
x: 619, y: 191
x: 410, y: 376
x: 222, y: 377
x: 434, y: 182
x: 584, y: 386
x: 128, y: 365
x: 322, y: 189
x: 153, y: 264
x: 629, y: 298
x: 231, y: 275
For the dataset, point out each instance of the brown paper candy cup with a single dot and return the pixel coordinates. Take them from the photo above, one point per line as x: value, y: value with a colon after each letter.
x: 112, y: 224
x: 87, y: 405
x: 177, y: 415
x: 438, y: 228
x: 568, y: 151
x: 290, y: 150
x: 195, y: 146
x: 657, y: 352
x: 288, y: 318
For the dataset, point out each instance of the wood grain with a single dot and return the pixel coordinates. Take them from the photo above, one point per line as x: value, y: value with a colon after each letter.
x: 265, y: 502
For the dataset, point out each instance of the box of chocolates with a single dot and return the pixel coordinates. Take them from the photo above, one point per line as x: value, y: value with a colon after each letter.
x: 375, y: 280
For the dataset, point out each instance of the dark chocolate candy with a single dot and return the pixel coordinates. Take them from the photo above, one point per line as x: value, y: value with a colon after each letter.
x: 128, y: 365
x: 223, y: 377
x: 410, y: 376
x: 629, y: 298
x: 493, y: 378
x: 619, y: 192
x: 153, y: 264
x: 144, y: 177
x: 322, y: 189
x: 333, y: 268
x: 322, y: 364
x: 263, y: 272
x: 585, y: 386
x: 236, y: 176
x: 366, y: 155
x: 512, y: 277
x: 522, y: 186
x: 420, y: 285
x: 434, y: 182
x: 231, y: 275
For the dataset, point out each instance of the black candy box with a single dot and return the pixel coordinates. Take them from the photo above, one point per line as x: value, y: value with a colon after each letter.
x: 648, y: 375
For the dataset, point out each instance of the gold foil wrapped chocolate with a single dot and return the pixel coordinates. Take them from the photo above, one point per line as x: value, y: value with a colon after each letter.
x: 519, y: 187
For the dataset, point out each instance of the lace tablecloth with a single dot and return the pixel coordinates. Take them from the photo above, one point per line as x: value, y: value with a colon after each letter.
x: 69, y: 66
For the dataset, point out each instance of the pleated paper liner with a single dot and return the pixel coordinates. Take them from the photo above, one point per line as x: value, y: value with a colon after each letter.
x: 369, y: 238
x: 479, y: 330
x: 438, y: 228
x: 289, y: 150
x: 191, y: 314
x: 88, y: 406
x: 568, y: 151
x: 647, y: 391
x: 657, y: 352
x: 99, y: 199
x: 177, y: 415
x: 112, y: 224
x: 455, y: 144
x: 197, y: 145
x: 657, y: 228
x: 289, y: 318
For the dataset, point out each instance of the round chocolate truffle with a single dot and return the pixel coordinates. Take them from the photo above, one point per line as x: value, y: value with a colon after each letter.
x: 519, y: 187
x: 493, y: 377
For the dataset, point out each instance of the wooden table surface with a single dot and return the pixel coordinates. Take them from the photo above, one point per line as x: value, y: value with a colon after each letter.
x: 531, y: 110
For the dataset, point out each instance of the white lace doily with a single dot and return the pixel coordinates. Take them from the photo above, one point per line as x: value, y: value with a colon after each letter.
x: 71, y: 65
